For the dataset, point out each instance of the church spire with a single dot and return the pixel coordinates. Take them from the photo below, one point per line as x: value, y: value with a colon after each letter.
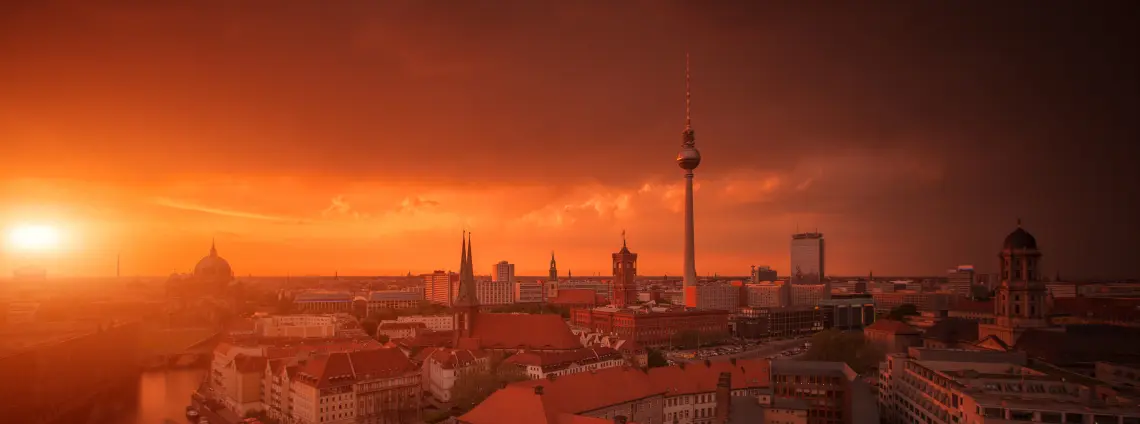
x: 470, y: 265
x: 213, y: 248
x: 463, y: 257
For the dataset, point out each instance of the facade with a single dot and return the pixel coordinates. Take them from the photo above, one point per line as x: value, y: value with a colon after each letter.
x: 806, y: 294
x: 650, y: 329
x: 495, y: 292
x: 323, y: 302
x: 530, y: 292
x: 1120, y: 376
x: 370, y: 386
x: 296, y: 326
x: 625, y: 272
x: 848, y: 312
x: 432, y: 322
x: 540, y: 365
x: 603, y: 288
x: 960, y: 386
x: 755, y: 323
x: 503, y: 271
x: 441, y: 287
x: 400, y: 330
x: 807, y: 258
x: 765, y: 295
x: 394, y: 299
x: 762, y: 274
x: 924, y: 301
x: 723, y: 297
x: 826, y: 386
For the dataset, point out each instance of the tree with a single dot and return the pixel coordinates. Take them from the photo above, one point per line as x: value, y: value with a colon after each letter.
x: 980, y: 292
x: 474, y: 386
x: 844, y: 346
x: 899, y: 313
x: 656, y: 358
x: 383, y: 338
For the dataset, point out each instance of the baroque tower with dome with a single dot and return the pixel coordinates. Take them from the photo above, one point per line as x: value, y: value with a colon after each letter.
x: 1022, y: 301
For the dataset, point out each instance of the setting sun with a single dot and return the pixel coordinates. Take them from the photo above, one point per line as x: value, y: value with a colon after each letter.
x: 33, y: 237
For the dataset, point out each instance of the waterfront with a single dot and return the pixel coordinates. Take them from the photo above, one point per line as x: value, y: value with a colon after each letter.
x: 163, y: 396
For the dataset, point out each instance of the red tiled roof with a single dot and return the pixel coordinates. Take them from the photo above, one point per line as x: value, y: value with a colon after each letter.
x: 428, y: 339
x: 893, y: 327
x: 703, y: 377
x: 343, y: 368
x: 587, y: 391
x: 524, y: 331
x: 514, y: 404
x: 575, y: 297
x: 554, y: 360
x: 339, y: 345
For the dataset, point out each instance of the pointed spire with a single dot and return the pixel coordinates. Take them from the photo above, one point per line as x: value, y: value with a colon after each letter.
x: 213, y: 247
x: 1018, y: 222
x: 470, y: 265
x: 463, y: 257
x: 623, y: 239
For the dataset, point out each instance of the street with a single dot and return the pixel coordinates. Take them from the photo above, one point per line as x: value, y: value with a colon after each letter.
x: 761, y: 351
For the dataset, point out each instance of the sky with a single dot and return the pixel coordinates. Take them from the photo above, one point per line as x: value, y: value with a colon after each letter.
x: 362, y: 137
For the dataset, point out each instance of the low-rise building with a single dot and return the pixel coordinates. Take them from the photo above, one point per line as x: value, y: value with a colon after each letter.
x: 495, y: 292
x: 442, y: 367
x: 530, y: 291
x: 765, y: 295
x: 323, y: 302
x: 369, y: 386
x: 539, y: 365
x: 296, y: 326
x: 892, y: 336
x: 394, y: 299
x: 650, y: 328
x: 433, y: 322
x: 396, y: 330
x: 755, y: 323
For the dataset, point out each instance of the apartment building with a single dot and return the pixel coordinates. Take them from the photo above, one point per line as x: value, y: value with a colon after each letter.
x: 807, y: 294
x: 441, y: 287
x: 370, y: 386
x: 722, y: 297
x: 495, y: 292
x: 394, y: 299
x: 432, y: 322
x: 296, y: 326
x: 826, y: 386
x: 765, y: 295
x: 442, y: 367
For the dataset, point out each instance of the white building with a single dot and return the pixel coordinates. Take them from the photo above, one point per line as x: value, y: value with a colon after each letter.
x: 433, y: 322
x: 494, y: 292
x: 724, y: 297
x: 807, y: 294
x: 296, y: 326
x: 378, y: 385
x: 444, y: 366
x: 807, y: 258
x: 394, y: 299
x: 530, y: 292
x: 400, y: 330
x: 503, y: 271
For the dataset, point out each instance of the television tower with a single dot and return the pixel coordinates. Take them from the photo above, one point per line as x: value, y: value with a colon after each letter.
x: 688, y: 159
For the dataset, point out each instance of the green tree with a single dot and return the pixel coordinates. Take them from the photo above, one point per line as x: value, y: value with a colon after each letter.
x: 383, y: 338
x: 844, y: 346
x: 656, y: 358
x: 899, y: 313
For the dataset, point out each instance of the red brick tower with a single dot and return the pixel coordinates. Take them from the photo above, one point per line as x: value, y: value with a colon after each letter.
x: 625, y: 270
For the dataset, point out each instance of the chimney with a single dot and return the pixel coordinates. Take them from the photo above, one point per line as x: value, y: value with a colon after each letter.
x: 538, y: 390
x: 620, y: 419
x: 723, y: 397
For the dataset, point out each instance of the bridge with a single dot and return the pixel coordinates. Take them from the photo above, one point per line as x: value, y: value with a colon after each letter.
x: 178, y: 346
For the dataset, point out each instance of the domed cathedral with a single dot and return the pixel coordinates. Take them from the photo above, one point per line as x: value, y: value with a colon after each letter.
x: 211, y: 276
x: 1022, y: 301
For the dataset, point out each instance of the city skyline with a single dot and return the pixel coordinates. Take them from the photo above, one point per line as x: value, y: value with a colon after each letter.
x: 399, y: 139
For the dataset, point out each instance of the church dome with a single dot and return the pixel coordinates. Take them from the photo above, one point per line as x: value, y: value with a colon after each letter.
x: 1020, y: 239
x: 213, y: 267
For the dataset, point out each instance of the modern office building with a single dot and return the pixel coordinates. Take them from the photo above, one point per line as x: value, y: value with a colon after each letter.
x: 503, y: 271
x: 807, y: 258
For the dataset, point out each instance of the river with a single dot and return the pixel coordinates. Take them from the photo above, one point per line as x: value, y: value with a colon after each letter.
x: 163, y: 395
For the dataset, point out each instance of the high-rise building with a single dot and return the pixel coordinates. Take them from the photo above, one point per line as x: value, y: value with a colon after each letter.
x: 625, y: 271
x: 441, y: 287
x: 688, y: 159
x: 807, y: 258
x: 503, y: 271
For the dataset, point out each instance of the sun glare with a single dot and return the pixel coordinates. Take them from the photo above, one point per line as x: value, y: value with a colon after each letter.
x: 33, y: 237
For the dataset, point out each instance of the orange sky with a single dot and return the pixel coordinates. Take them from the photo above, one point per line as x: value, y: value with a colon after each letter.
x: 363, y: 137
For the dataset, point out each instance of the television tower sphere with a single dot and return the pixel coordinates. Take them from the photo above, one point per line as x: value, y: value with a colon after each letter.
x: 688, y: 158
